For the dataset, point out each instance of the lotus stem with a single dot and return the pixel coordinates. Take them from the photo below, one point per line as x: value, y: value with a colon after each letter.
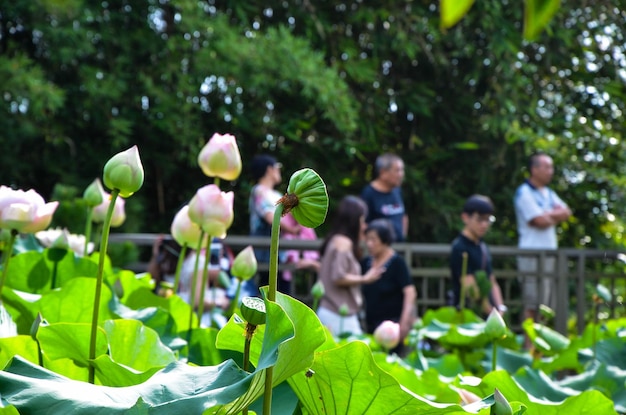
x: 463, y: 274
x: 7, y: 257
x: 88, y: 227
x: 271, y: 296
x: 100, y: 276
x: 205, y: 278
x: 194, y: 281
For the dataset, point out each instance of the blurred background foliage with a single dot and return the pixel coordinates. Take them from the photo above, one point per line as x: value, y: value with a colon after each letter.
x: 327, y: 85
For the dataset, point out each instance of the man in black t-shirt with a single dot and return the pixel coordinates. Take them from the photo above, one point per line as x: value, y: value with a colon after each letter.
x: 481, y: 288
x: 383, y: 195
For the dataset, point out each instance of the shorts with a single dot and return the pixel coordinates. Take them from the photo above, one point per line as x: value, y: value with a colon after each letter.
x: 537, y: 290
x: 338, y: 324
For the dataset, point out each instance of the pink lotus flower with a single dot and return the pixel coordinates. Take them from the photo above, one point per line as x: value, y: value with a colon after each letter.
x: 124, y: 172
x: 244, y: 265
x: 25, y: 212
x: 220, y: 157
x: 212, y: 210
x: 100, y: 211
x: 387, y: 334
x: 185, y: 231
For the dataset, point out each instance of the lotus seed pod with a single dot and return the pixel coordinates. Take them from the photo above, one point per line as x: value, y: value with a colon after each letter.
x: 253, y: 310
x: 310, y: 205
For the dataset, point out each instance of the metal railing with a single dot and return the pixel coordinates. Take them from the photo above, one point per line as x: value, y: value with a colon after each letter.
x: 576, y: 274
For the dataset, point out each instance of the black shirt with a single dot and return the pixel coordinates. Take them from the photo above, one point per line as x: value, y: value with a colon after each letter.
x: 478, y: 258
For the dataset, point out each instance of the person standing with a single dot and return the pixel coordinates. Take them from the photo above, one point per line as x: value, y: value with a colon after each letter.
x: 393, y: 296
x: 383, y: 195
x: 538, y: 210
x: 262, y: 204
x: 481, y: 288
x: 340, y: 270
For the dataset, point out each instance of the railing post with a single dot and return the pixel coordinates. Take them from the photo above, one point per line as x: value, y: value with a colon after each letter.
x: 562, y: 293
x: 581, y: 304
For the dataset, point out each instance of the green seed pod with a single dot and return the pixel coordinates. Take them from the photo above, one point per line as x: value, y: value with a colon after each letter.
x: 318, y: 290
x: 253, y: 310
x: 310, y: 204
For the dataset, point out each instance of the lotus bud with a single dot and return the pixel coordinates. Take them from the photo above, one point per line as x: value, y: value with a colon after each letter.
x: 318, y: 290
x: 244, y: 266
x: 220, y: 157
x: 185, y: 231
x: 93, y: 193
x: 495, y: 328
x: 387, y: 334
x: 100, y: 211
x: 124, y: 172
x: 306, y: 198
x: 501, y: 405
x: 253, y: 310
x: 212, y: 210
x: 344, y: 310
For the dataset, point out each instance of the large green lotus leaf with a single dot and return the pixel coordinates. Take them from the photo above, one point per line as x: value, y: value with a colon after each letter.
x: 427, y: 383
x: 450, y: 315
x: 202, y: 350
x: 289, y: 348
x: 23, y: 345
x: 177, y: 389
x: 130, y: 282
x: 70, y: 340
x: 74, y: 302
x: 39, y: 272
x: 447, y: 365
x: 585, y: 403
x: 8, y: 410
x: 508, y: 359
x: 67, y: 367
x: 134, y: 345
x: 456, y: 335
x: 176, y: 307
x: 611, y: 352
x: 537, y: 14
x: 548, y: 340
x: 346, y: 380
x: 610, y: 380
x: 23, y: 307
x: 110, y: 373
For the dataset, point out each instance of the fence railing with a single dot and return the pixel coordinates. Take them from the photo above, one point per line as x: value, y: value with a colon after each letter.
x: 576, y: 274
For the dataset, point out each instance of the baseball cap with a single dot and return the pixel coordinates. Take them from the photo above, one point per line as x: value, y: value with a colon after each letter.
x: 478, y: 204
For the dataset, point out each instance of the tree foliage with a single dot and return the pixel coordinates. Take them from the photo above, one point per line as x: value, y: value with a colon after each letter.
x: 327, y: 85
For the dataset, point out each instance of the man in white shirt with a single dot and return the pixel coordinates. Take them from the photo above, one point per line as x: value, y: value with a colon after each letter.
x: 538, y: 210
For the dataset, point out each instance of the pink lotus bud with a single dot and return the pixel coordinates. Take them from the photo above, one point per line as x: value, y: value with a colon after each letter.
x: 387, y: 334
x: 186, y: 232
x: 212, y: 210
x: 124, y: 172
x: 220, y: 157
x: 245, y: 265
x: 25, y: 212
x: 100, y: 211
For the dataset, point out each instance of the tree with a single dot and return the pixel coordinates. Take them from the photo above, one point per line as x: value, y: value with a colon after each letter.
x: 326, y: 85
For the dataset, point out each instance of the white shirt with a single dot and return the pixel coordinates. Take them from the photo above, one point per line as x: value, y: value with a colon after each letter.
x: 531, y: 202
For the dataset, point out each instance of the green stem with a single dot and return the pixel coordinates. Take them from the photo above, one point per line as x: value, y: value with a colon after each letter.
x: 250, y: 329
x: 104, y: 241
x: 5, y: 263
x: 179, y: 266
x: 493, y: 356
x: 88, y: 226
x: 205, y: 278
x: 316, y: 302
x: 194, y: 281
x: 235, y: 301
x: 271, y: 296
